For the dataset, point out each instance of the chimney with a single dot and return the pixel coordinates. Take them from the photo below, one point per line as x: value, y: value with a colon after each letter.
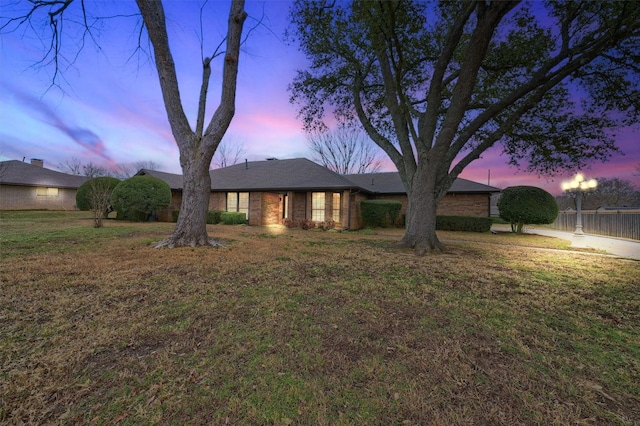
x: 37, y: 162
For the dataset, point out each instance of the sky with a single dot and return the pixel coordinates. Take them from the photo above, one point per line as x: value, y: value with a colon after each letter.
x: 107, y: 106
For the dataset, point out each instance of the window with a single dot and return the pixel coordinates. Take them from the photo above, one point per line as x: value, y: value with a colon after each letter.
x: 317, y: 206
x: 238, y: 202
x: 285, y: 206
x: 46, y: 192
x: 336, y: 204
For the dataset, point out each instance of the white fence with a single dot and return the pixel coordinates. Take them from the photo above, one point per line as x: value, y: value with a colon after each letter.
x: 612, y: 223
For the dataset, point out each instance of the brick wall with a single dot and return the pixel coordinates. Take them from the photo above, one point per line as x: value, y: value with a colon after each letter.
x: 298, y: 204
x: 255, y: 206
x: 218, y: 201
x: 272, y: 205
x: 464, y: 205
x: 15, y: 197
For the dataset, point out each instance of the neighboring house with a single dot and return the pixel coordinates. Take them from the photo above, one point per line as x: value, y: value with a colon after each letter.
x: 25, y: 186
x: 273, y: 191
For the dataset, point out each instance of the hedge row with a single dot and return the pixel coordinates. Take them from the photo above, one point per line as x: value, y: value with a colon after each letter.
x: 463, y: 223
x: 219, y: 216
x: 380, y: 213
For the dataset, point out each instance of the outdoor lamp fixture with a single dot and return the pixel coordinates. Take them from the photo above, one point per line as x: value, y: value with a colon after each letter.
x: 579, y: 185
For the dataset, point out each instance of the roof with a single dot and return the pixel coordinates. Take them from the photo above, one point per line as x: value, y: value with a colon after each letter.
x: 303, y: 174
x: 391, y: 183
x: 174, y: 181
x: 16, y: 172
x: 270, y: 175
x: 293, y: 174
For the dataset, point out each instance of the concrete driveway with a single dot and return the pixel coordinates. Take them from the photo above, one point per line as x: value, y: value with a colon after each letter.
x: 629, y: 249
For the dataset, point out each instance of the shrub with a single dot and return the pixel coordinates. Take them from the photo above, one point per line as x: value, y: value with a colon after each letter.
x: 86, y: 194
x: 380, y: 213
x: 307, y: 224
x: 95, y: 195
x: 233, y: 218
x: 520, y: 205
x: 327, y: 224
x: 463, y: 223
x: 137, y: 198
x: 214, y: 216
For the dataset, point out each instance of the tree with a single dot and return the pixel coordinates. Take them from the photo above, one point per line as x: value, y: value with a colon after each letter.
x: 527, y: 205
x: 436, y: 85
x: 95, y: 195
x: 196, y: 146
x: 344, y: 150
x: 229, y: 152
x: 127, y: 170
x: 139, y: 197
x: 75, y: 167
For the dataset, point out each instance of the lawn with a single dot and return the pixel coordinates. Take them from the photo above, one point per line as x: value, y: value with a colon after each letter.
x: 287, y: 327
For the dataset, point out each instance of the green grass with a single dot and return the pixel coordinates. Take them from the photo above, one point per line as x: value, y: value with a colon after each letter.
x: 285, y: 326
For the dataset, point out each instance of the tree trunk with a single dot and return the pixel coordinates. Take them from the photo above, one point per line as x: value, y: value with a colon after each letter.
x: 420, y: 233
x: 191, y: 229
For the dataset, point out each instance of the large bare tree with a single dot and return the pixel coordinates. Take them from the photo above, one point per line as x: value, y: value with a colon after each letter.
x: 437, y: 84
x: 344, y: 150
x: 229, y: 152
x: 196, y: 146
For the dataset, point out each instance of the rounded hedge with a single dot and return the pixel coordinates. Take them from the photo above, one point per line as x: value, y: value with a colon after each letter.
x: 84, y: 194
x: 138, y: 197
x: 520, y: 205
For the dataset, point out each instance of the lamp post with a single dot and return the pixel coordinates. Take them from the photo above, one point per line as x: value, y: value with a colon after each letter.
x: 579, y: 185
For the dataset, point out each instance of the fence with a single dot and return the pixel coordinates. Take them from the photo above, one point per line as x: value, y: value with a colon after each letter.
x: 612, y: 223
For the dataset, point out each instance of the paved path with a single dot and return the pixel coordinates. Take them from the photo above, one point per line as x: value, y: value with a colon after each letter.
x: 629, y: 249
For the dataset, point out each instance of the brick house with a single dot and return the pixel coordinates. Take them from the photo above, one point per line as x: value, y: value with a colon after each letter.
x: 273, y: 191
x: 25, y: 186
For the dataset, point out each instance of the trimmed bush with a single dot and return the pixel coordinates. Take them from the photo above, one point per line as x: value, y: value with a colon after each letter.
x: 85, y: 196
x: 137, y: 198
x: 214, y: 216
x: 463, y: 223
x: 380, y: 213
x: 530, y: 205
x: 233, y: 218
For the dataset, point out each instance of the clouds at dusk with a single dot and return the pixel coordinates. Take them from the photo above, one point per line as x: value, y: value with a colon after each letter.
x: 109, y: 109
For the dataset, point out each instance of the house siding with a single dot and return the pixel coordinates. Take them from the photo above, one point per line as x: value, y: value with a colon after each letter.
x: 166, y: 214
x: 272, y: 205
x: 355, y: 221
x: 298, y: 205
x: 16, y: 197
x: 465, y: 205
x: 255, y: 206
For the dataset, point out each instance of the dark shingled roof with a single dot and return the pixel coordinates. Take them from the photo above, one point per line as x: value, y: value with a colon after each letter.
x: 16, y: 172
x: 270, y: 175
x: 277, y: 175
x: 302, y: 174
x: 390, y: 183
x: 174, y: 181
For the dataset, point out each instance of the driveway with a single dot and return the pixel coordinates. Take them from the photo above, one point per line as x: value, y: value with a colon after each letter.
x: 629, y: 249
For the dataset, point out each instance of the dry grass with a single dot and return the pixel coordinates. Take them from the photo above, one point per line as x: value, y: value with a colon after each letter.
x: 303, y: 327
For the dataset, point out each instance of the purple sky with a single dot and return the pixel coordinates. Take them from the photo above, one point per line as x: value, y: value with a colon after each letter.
x: 108, y: 109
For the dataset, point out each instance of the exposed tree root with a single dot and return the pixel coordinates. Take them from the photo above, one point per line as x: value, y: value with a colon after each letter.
x: 421, y: 248
x: 191, y: 242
